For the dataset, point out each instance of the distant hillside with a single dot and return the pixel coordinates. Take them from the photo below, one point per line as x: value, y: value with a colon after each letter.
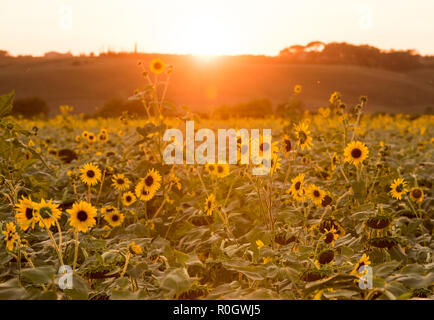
x: 88, y: 82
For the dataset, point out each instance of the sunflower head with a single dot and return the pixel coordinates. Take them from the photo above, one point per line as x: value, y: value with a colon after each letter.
x: 222, y: 170
x: 209, y: 204
x: 297, y: 89
x: 114, y: 218
x: 157, y: 66
x: 120, y: 182
x: 134, y: 248
x: 82, y: 216
x: 302, y: 133
x: 356, y: 152
x: 152, y: 181
x: 398, y: 188
x: 10, y: 235
x: 47, y: 213
x: 90, y: 174
x: 142, y: 192
x: 316, y: 194
x: 416, y: 194
x: 128, y: 198
x: 25, y: 213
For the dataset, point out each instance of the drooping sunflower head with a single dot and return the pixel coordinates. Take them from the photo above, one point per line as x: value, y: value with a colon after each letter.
x: 82, y: 216
x: 90, y: 174
x: 47, y: 213
x: 25, y: 215
x: 157, y: 66
x: 398, y: 188
x: 114, y: 218
x: 302, y: 133
x: 120, y: 182
x: 142, y: 192
x: 416, y: 194
x: 128, y: 198
x: 330, y: 236
x: 209, y: 204
x: 356, y: 152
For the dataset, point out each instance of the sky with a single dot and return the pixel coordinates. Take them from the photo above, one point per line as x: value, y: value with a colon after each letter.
x: 210, y: 26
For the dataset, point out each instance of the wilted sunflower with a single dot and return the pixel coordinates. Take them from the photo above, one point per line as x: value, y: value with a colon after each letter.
x: 90, y: 174
x: 355, y: 152
x: 82, y: 216
x: 398, y: 188
x: 222, y: 170
x: 416, y: 194
x: 364, y: 261
x: 286, y: 145
x: 134, y: 248
x: 142, y: 192
x: 157, y: 66
x: 120, y: 182
x: 10, y: 235
x: 297, y: 187
x: 152, y: 181
x: 209, y: 204
x: 128, y: 198
x: 330, y: 236
x: 47, y: 213
x: 304, y: 140
x: 25, y: 215
x: 114, y: 218
x: 316, y: 194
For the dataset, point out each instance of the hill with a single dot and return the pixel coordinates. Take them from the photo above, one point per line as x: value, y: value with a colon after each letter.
x: 88, y: 82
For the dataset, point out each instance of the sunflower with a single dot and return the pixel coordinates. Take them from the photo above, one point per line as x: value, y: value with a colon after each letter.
x: 263, y: 146
x: 297, y: 89
x: 316, y: 194
x: 108, y: 209
x: 286, y: 145
x: 173, y: 180
x: 25, y: 213
x: 334, y: 161
x: 259, y: 244
x: 398, y: 188
x: 134, y: 248
x: 297, y: 187
x: 82, y: 216
x: 114, y: 218
x: 355, y: 152
x: 142, y: 192
x: 47, y: 213
x: 10, y: 235
x: 91, y: 137
x: 222, y: 170
x: 209, y: 204
x: 103, y: 137
x: 211, y: 168
x: 330, y: 236
x: 128, y: 198
x: 275, y: 164
x: 304, y: 140
x: 416, y: 194
x: 120, y: 182
x: 90, y: 174
x: 364, y: 261
x: 152, y: 181
x: 84, y: 134
x: 157, y: 66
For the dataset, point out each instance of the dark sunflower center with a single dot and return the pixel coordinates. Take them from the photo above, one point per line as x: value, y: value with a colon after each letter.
x: 302, y: 137
x: 327, y: 200
x: 120, y: 181
x: 356, y: 153
x: 82, y: 215
x: 316, y: 193
x: 90, y: 173
x: 297, y: 185
x: 287, y: 145
x: 115, y: 217
x: 211, y: 168
x: 417, y: 193
x: 149, y: 181
x: 128, y: 198
x: 145, y: 192
x: 157, y: 66
x: 91, y: 137
x: 399, y: 188
x: 29, y: 213
x: 209, y: 204
x: 45, y: 212
x: 329, y: 237
x: 220, y: 169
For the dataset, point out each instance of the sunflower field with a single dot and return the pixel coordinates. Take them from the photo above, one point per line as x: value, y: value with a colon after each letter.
x: 93, y: 199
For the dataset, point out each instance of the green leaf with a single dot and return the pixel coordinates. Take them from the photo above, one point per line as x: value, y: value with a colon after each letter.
x: 6, y: 103
x: 40, y: 275
x: 80, y: 289
x: 176, y: 280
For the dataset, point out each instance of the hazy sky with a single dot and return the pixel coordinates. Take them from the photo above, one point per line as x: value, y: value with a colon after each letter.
x: 211, y: 26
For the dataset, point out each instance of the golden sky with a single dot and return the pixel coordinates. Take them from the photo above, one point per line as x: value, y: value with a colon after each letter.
x: 211, y: 27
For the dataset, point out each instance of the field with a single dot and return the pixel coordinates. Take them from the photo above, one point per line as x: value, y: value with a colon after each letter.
x: 87, y: 83
x: 91, y: 211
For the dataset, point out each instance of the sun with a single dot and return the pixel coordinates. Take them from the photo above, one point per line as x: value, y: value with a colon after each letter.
x: 205, y: 37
